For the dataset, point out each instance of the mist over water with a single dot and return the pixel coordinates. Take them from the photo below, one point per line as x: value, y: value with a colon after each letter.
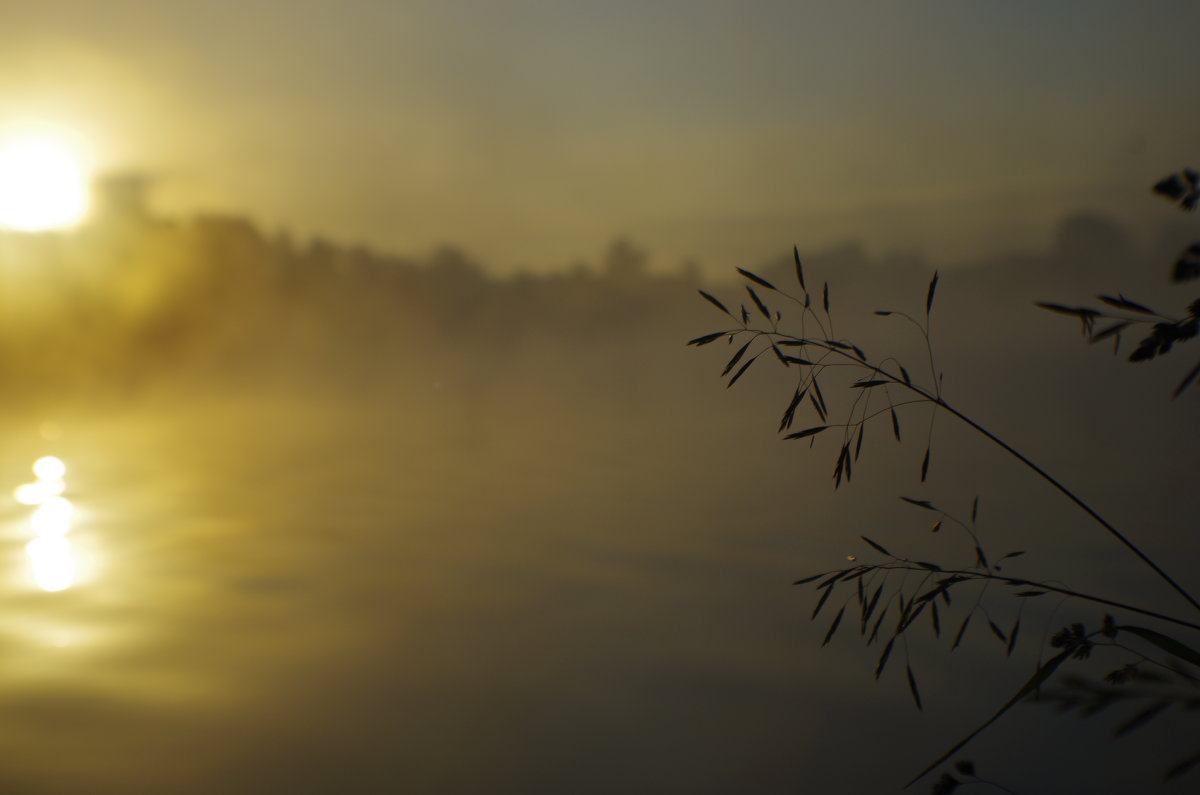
x: 347, y: 522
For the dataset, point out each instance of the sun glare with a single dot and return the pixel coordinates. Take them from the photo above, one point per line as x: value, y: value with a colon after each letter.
x: 43, y: 181
x: 50, y: 551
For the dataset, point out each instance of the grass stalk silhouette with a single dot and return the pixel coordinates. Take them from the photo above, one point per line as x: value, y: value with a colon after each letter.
x: 813, y: 355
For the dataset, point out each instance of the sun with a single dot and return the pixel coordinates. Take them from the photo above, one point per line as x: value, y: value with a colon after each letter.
x: 43, y: 180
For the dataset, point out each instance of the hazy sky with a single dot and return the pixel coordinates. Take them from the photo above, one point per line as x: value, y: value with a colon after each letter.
x: 533, y: 132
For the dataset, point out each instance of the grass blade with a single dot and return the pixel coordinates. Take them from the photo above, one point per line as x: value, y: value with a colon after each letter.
x: 741, y: 370
x: 756, y: 279
x: 737, y: 357
x: 758, y: 303
x: 869, y: 609
x: 1012, y: 637
x: 1121, y: 302
x: 833, y: 627
x: 877, y: 547
x: 1043, y: 673
x: 790, y: 413
x: 816, y: 404
x: 962, y: 629
x: 1187, y: 381
x: 806, y: 432
x: 707, y: 338
x: 1141, y: 719
x: 821, y: 602
x: 912, y: 687
x: 715, y: 303
x: 1182, y: 766
x: 1167, y: 644
x: 883, y: 658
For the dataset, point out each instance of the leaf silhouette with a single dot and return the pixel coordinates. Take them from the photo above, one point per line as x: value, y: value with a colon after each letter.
x: 820, y: 398
x: 1181, y: 767
x: 1012, y: 637
x: 883, y: 658
x: 806, y: 432
x: 1167, y: 644
x: 799, y: 268
x: 758, y: 302
x: 707, y: 338
x: 1142, y: 718
x: 756, y: 279
x: 1171, y: 187
x: 870, y: 608
x: 877, y: 547
x: 912, y: 687
x: 878, y: 623
x: 1110, y: 331
x: 817, y: 407
x: 821, y: 602
x: 737, y: 357
x: 1187, y: 381
x: 1076, y: 311
x: 741, y: 370
x: 715, y: 302
x: 1121, y: 302
x: 958, y: 636
x: 833, y: 627
x: 790, y: 412
x: 932, y: 289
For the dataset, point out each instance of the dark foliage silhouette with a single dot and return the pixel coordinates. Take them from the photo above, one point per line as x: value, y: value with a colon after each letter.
x: 890, y: 595
x: 1162, y: 332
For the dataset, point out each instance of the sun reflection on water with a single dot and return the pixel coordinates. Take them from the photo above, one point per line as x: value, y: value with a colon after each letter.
x: 50, y: 550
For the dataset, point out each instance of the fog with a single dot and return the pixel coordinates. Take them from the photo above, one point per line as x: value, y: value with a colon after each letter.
x: 532, y: 131
x: 354, y: 522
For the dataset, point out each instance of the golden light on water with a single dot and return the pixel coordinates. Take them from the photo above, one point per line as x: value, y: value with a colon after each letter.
x: 43, y: 180
x: 52, y: 518
x: 39, y: 492
x: 50, y: 552
x: 53, y: 564
x: 49, y: 468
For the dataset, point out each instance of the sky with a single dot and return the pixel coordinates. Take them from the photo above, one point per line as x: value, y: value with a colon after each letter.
x: 532, y: 133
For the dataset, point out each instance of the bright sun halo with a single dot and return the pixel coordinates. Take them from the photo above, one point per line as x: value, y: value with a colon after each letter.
x: 43, y: 182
